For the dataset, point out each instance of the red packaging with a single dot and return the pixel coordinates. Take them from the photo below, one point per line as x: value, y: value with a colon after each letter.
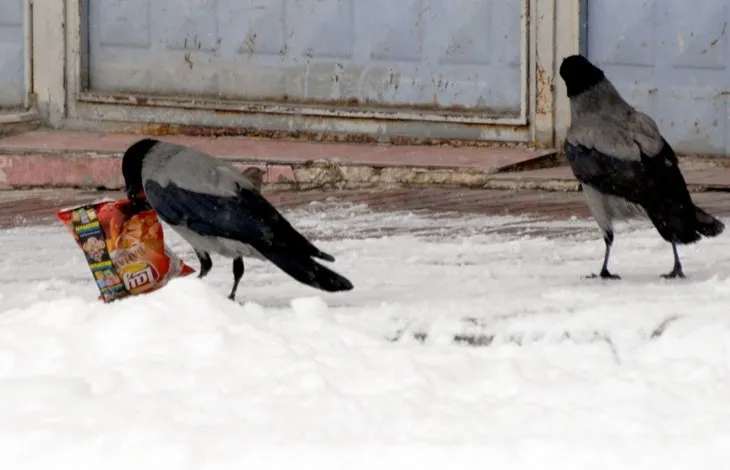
x: 126, y: 252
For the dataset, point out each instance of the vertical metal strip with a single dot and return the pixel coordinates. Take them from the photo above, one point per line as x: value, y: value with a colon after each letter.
x: 28, y: 53
x: 84, y: 46
x: 525, y: 60
x: 583, y: 27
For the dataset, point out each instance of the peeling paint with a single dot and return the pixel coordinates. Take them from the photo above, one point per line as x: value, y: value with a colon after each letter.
x: 545, y: 91
x: 714, y: 42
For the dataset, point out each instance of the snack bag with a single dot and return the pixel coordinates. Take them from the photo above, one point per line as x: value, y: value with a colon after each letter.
x: 126, y: 252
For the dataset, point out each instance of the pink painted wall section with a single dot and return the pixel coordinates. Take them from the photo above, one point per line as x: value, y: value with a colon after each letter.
x: 83, y: 159
x: 84, y: 171
x: 48, y: 170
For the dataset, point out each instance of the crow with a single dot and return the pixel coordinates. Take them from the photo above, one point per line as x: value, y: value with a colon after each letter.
x: 625, y: 166
x: 217, y: 209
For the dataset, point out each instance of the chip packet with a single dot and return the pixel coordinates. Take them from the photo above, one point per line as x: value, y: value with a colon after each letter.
x: 126, y: 251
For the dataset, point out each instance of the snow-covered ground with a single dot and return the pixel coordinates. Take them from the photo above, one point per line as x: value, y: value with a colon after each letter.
x: 567, y: 373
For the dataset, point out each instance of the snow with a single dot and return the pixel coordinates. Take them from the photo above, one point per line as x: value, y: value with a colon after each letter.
x: 566, y: 373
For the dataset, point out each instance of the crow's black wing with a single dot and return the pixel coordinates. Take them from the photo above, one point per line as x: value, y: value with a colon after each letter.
x: 653, y: 182
x: 246, y: 217
x: 648, y: 181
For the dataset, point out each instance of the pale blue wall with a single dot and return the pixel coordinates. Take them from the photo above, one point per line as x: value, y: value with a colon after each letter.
x: 430, y: 53
x: 12, y: 59
x: 670, y: 58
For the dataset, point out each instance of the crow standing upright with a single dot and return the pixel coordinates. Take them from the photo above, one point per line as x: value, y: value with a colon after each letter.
x: 627, y: 169
x: 218, y: 210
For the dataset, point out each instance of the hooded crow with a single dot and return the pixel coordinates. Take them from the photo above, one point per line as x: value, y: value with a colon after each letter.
x: 217, y: 209
x: 625, y: 166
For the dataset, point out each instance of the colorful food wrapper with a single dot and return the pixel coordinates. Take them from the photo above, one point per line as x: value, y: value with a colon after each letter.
x: 125, y: 251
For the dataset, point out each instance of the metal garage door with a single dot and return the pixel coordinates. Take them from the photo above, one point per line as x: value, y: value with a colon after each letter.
x: 671, y: 59
x: 12, y: 57
x: 431, y: 55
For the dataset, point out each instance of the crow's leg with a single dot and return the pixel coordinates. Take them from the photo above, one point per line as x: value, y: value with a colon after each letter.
x: 237, y: 275
x: 205, y: 263
x: 677, y: 269
x: 605, y: 274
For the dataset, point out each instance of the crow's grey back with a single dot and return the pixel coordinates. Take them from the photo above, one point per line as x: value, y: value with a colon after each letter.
x: 193, y: 170
x: 603, y: 120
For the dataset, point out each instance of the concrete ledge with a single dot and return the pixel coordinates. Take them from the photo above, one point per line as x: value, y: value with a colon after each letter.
x: 87, y: 160
x: 700, y: 174
x: 93, y: 171
x: 102, y: 171
x: 12, y: 123
x: 43, y: 159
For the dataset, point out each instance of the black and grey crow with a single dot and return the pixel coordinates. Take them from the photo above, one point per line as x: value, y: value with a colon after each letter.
x: 625, y: 166
x: 218, y: 210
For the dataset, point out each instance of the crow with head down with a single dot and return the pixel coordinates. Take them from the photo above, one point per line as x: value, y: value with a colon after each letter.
x: 625, y: 166
x: 218, y: 210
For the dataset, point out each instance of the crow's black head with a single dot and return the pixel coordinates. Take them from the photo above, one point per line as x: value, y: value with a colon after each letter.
x: 579, y: 74
x: 132, y: 166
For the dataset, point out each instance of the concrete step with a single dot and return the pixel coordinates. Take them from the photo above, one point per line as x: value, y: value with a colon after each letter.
x: 51, y: 158
x: 700, y: 174
x: 18, y: 122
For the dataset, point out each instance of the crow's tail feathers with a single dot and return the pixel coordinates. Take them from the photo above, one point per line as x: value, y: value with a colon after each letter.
x: 307, y: 271
x: 707, y: 225
x: 686, y: 227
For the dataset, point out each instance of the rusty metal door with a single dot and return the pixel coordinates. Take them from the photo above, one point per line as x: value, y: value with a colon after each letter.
x: 671, y: 59
x: 12, y: 55
x: 438, y: 60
